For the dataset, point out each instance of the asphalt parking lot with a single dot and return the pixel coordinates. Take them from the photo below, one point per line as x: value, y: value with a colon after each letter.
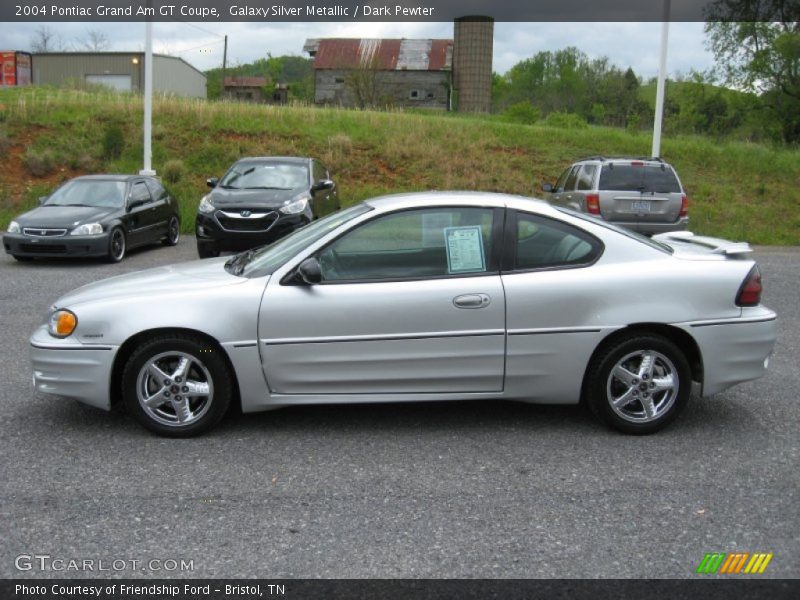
x: 489, y: 490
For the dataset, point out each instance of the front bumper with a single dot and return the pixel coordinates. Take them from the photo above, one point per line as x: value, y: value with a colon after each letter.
x: 210, y: 232
x: 18, y: 244
x: 71, y: 369
x: 653, y: 228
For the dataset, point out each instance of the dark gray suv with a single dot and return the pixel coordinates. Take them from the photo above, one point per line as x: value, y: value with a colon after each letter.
x: 644, y: 195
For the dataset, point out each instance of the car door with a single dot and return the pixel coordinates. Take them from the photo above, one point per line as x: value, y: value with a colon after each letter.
x: 562, y: 194
x: 163, y: 208
x: 551, y: 304
x: 142, y: 215
x: 410, y: 302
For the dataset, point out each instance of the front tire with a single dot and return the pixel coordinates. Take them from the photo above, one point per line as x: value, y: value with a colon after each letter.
x: 639, y: 384
x: 117, y: 245
x: 207, y: 250
x: 177, y: 385
x: 173, y: 232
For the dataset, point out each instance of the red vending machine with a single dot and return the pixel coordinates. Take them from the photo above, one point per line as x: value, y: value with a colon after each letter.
x: 15, y: 68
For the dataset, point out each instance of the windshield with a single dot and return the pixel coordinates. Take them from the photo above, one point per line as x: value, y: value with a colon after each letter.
x: 626, y: 232
x: 251, y: 175
x: 265, y: 260
x: 89, y: 193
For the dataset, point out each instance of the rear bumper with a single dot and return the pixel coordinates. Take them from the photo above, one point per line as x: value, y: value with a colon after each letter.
x: 50, y: 247
x: 653, y: 228
x: 734, y: 350
x: 71, y: 369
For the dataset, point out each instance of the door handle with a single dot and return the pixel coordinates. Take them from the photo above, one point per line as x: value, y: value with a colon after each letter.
x: 472, y: 301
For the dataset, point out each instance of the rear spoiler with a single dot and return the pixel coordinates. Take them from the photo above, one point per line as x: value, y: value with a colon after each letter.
x: 714, y: 245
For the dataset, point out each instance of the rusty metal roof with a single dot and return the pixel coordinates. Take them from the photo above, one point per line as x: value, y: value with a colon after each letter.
x: 381, y: 54
x: 241, y: 81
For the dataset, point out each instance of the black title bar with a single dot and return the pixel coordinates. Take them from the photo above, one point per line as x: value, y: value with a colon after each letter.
x: 267, y: 11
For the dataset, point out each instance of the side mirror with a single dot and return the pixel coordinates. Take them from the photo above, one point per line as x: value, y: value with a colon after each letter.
x: 43, y: 199
x: 547, y: 187
x: 323, y: 184
x: 212, y: 182
x: 309, y: 271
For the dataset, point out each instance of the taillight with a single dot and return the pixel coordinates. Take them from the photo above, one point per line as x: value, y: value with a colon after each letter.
x: 750, y: 291
x: 684, y: 206
x: 593, y: 204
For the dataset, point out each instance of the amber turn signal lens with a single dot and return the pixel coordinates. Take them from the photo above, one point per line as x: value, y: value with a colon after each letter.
x: 63, y: 323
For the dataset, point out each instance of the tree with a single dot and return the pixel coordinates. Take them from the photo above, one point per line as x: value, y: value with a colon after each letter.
x: 95, y: 41
x: 45, y: 40
x: 757, y: 48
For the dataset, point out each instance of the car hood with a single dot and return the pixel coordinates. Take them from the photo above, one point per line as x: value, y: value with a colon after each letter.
x: 229, y: 199
x: 63, y: 216
x: 184, y: 278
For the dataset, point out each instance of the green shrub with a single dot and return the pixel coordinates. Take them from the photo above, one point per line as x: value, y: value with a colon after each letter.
x: 113, y: 142
x: 173, y: 171
x: 522, y: 112
x: 5, y: 143
x: 39, y: 163
x: 565, y: 121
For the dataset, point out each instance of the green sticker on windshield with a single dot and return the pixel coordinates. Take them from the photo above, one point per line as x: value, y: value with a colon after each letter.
x: 464, y: 249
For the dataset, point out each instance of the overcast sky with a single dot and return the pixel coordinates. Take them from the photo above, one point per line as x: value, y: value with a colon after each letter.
x: 626, y: 44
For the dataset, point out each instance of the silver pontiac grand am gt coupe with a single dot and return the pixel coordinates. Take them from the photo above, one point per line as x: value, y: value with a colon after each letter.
x: 427, y: 296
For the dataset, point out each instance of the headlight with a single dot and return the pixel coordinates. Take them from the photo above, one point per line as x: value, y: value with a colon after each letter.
x: 294, y: 207
x: 206, y: 206
x: 62, y: 323
x: 13, y: 227
x: 87, y: 229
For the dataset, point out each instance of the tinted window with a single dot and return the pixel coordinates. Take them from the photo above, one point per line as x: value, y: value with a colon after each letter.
x: 266, y: 175
x: 546, y: 243
x: 586, y: 176
x: 414, y: 244
x: 621, y: 230
x: 573, y: 176
x: 89, y: 193
x: 630, y: 178
x: 139, y: 192
x: 561, y: 180
x: 320, y: 172
x: 157, y: 191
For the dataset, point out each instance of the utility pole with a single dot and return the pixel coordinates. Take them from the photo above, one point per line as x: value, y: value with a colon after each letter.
x: 662, y: 74
x: 224, y: 63
x: 148, y: 98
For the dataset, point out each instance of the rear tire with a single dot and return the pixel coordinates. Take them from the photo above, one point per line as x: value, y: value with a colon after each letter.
x: 207, y: 250
x: 173, y: 232
x: 638, y: 384
x: 177, y: 385
x: 117, y: 245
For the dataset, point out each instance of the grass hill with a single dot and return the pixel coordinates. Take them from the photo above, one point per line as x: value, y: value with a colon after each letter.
x: 737, y: 190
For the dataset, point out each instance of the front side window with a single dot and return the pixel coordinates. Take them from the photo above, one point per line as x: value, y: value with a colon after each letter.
x: 546, y: 243
x: 140, y: 193
x: 573, y: 176
x: 413, y: 244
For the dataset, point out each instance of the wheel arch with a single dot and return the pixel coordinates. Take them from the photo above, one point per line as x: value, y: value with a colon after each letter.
x: 128, y: 346
x: 679, y: 337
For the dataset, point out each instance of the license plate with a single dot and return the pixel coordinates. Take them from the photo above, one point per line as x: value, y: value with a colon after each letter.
x: 641, y: 205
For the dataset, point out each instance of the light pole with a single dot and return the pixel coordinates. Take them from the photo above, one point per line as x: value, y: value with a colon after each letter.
x: 662, y: 74
x: 148, y: 98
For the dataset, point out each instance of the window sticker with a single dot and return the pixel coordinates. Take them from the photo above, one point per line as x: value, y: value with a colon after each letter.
x: 464, y: 249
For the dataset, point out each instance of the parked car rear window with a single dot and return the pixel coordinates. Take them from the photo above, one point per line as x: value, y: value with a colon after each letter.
x: 644, y: 178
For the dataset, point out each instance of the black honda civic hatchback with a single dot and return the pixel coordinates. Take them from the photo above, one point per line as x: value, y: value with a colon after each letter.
x: 96, y: 215
x: 261, y: 199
